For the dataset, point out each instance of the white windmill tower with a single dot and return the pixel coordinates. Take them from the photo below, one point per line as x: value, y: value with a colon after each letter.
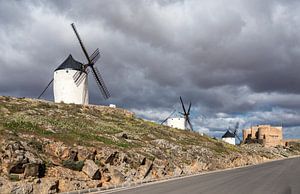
x: 180, y: 122
x: 65, y: 89
x: 70, y: 83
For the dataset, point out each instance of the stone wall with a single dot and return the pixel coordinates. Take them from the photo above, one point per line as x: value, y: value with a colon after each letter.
x: 265, y: 134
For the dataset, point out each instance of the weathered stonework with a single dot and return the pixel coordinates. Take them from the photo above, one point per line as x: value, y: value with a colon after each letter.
x: 266, y: 135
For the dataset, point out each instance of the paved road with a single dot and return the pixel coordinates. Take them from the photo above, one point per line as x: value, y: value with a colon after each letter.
x: 270, y: 178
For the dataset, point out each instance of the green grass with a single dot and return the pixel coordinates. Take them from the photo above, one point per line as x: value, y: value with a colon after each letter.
x: 26, y: 126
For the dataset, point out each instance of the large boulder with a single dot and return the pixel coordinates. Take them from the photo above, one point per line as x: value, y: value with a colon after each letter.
x: 86, y: 153
x: 91, y: 169
x: 145, y: 168
x: 117, y: 177
x: 59, y: 151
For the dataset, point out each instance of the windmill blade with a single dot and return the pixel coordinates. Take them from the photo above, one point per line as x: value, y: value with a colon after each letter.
x: 81, y: 44
x: 77, y: 76
x: 95, y: 56
x: 168, y: 117
x: 81, y: 77
x: 100, y: 82
x: 183, y: 106
x: 188, y: 112
x: 237, y: 125
x: 190, y: 124
x: 238, y: 137
x: 45, y: 89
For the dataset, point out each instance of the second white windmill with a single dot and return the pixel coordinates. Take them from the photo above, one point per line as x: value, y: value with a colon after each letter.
x: 180, y: 122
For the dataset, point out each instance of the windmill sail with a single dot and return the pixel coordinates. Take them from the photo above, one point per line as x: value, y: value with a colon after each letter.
x: 80, y: 42
x: 45, y: 89
x: 168, y: 117
x: 92, y: 59
x: 100, y: 82
x: 186, y: 115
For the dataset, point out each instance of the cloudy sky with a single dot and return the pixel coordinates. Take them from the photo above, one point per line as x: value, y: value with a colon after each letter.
x: 234, y: 60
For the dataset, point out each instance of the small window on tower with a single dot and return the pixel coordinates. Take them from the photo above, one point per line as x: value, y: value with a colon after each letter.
x: 67, y: 71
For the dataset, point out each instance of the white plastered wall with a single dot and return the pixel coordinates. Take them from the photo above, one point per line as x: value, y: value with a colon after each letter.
x: 176, y: 123
x: 65, y: 90
x: 229, y: 140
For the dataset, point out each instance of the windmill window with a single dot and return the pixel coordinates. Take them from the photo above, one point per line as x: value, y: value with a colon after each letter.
x: 67, y: 71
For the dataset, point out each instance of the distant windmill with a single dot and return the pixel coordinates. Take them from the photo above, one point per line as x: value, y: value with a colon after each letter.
x: 231, y: 134
x: 181, y: 123
x: 70, y: 78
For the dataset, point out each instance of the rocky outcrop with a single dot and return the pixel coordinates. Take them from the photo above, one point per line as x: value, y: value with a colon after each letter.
x: 17, y: 158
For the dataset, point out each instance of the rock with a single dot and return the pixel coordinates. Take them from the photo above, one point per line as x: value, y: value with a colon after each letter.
x: 19, y: 159
x: 73, y: 185
x: 5, y: 186
x: 91, y: 169
x: 178, y: 171
x: 25, y: 188
x: 60, y: 151
x: 65, y: 173
x: 125, y: 136
x: 84, y: 153
x: 145, y: 169
x: 111, y: 159
x: 46, y: 186
x: 117, y: 177
x: 31, y: 169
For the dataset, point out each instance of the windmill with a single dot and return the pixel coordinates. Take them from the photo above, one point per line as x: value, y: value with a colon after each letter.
x: 70, y: 84
x: 181, y: 123
x: 231, y: 134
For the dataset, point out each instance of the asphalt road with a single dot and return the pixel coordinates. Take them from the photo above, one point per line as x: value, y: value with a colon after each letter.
x: 269, y: 178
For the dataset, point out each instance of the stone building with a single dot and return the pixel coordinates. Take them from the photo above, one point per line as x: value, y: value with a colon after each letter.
x: 266, y: 135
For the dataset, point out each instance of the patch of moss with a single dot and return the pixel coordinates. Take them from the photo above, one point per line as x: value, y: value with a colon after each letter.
x: 73, y: 165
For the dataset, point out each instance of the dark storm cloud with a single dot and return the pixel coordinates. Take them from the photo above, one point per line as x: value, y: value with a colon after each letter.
x: 237, y: 60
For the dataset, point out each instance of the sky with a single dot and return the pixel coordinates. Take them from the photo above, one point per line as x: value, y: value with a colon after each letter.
x: 236, y: 61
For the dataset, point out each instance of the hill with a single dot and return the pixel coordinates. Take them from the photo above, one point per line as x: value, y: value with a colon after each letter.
x: 48, y: 148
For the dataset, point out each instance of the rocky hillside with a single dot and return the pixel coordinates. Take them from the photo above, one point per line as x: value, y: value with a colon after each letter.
x: 49, y: 148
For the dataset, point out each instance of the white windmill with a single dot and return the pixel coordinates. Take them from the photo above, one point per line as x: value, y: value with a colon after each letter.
x: 180, y: 122
x: 231, y: 134
x: 70, y: 83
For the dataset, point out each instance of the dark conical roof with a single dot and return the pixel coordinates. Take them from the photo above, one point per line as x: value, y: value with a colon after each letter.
x: 228, y: 134
x: 70, y: 63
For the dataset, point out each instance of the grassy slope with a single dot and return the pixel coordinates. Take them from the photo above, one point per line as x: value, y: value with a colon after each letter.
x: 92, y: 126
